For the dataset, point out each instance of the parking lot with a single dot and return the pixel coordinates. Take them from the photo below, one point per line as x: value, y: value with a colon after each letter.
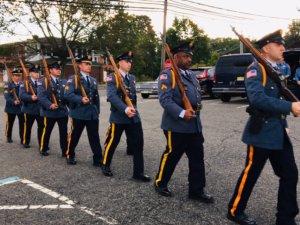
x: 45, y: 190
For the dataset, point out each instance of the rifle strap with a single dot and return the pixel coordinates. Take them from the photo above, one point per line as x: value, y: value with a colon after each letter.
x: 264, y: 78
x: 26, y: 85
x: 173, y: 79
x: 46, y: 83
x: 117, y: 80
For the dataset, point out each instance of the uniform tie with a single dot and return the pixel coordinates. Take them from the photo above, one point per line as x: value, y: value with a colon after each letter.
x: 35, y: 84
x: 127, y: 78
x: 56, y: 81
x: 88, y: 81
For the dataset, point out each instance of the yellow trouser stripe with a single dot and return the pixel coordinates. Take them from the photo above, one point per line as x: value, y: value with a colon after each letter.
x: 43, y: 134
x: 242, y: 184
x: 109, y: 143
x: 69, y: 138
x: 163, y: 162
x: 25, y: 128
x: 7, y: 124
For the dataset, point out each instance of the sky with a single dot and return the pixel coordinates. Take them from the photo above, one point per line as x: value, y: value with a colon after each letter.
x: 269, y: 16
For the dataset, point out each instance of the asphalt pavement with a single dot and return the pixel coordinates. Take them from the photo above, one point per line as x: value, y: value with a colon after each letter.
x: 38, y: 190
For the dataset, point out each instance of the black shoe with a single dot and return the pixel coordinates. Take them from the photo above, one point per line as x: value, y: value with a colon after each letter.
x: 242, y: 219
x: 9, y: 140
x: 47, y: 149
x: 202, y: 197
x: 71, y: 161
x: 63, y: 154
x: 26, y: 146
x: 142, y: 177
x: 164, y: 191
x: 106, y: 171
x: 284, y: 223
x: 44, y: 153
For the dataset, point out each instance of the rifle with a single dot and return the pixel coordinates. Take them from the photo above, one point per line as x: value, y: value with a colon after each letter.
x: 27, y: 82
x: 16, y: 98
x: 48, y: 80
x: 184, y: 98
x: 276, y: 76
x: 119, y: 79
x: 76, y: 73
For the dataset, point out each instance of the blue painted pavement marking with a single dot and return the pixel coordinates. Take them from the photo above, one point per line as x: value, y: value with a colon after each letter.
x: 9, y: 179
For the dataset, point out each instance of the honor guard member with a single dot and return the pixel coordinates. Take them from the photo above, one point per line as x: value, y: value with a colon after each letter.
x: 266, y: 138
x: 53, y: 113
x: 30, y: 106
x: 182, y: 128
x: 13, y: 105
x: 123, y: 117
x: 84, y: 111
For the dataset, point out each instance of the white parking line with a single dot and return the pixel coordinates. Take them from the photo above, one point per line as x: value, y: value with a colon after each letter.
x: 243, y: 106
x: 69, y: 204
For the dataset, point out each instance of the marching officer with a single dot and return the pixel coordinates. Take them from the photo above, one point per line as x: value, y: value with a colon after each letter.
x: 30, y: 106
x: 53, y: 113
x: 266, y: 138
x: 13, y: 105
x: 84, y: 111
x: 123, y: 117
x: 182, y: 128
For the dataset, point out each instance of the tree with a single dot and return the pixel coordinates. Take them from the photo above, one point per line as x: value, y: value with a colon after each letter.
x: 58, y: 21
x: 124, y: 32
x: 185, y: 29
x: 292, y: 37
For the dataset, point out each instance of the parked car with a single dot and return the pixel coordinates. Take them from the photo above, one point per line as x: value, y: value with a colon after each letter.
x: 147, y: 88
x: 229, y: 75
x: 205, y: 76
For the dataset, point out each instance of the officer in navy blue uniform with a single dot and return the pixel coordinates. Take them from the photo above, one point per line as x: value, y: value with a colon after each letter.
x: 182, y: 128
x: 123, y: 117
x: 30, y: 106
x: 84, y: 111
x: 266, y: 137
x: 13, y: 105
x: 53, y: 113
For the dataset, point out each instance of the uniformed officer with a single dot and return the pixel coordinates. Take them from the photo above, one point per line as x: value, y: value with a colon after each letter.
x: 182, y: 128
x: 53, y: 113
x: 123, y: 117
x: 84, y: 111
x: 13, y: 105
x: 30, y: 106
x: 266, y: 138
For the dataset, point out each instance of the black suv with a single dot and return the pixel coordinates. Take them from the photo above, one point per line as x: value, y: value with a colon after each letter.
x: 205, y: 76
x: 229, y: 75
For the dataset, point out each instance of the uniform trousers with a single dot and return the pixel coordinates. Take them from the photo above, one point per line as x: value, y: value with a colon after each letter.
x: 192, y: 146
x: 10, y: 119
x: 48, y: 124
x: 284, y: 166
x: 135, y: 141
x: 28, y: 122
x: 92, y: 128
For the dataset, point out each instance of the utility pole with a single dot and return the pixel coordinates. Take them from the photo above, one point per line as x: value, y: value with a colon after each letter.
x: 163, y: 52
x: 241, y: 48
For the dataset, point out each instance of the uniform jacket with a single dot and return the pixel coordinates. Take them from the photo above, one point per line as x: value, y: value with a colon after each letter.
x: 170, y: 100
x: 267, y: 99
x: 44, y: 96
x: 78, y: 110
x: 10, y: 107
x: 115, y: 97
x: 29, y: 106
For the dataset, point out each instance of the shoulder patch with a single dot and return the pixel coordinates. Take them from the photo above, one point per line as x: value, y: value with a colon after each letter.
x: 163, y: 77
x: 251, y: 73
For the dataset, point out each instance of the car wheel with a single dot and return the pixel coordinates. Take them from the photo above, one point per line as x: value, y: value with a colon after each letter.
x: 145, y: 95
x: 225, y: 97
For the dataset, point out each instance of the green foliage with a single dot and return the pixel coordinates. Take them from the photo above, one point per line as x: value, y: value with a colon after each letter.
x: 292, y: 37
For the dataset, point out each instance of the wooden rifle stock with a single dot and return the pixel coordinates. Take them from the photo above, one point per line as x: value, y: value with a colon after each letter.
x: 10, y: 80
x: 76, y: 73
x: 27, y: 81
x: 186, y: 101
x: 118, y: 76
x: 48, y: 78
x: 276, y: 76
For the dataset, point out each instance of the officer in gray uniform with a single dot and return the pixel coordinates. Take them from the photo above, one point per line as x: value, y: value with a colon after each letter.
x: 182, y: 128
x: 30, y: 106
x: 84, y: 111
x: 266, y: 137
x: 123, y: 117
x: 13, y: 105
x: 51, y: 112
